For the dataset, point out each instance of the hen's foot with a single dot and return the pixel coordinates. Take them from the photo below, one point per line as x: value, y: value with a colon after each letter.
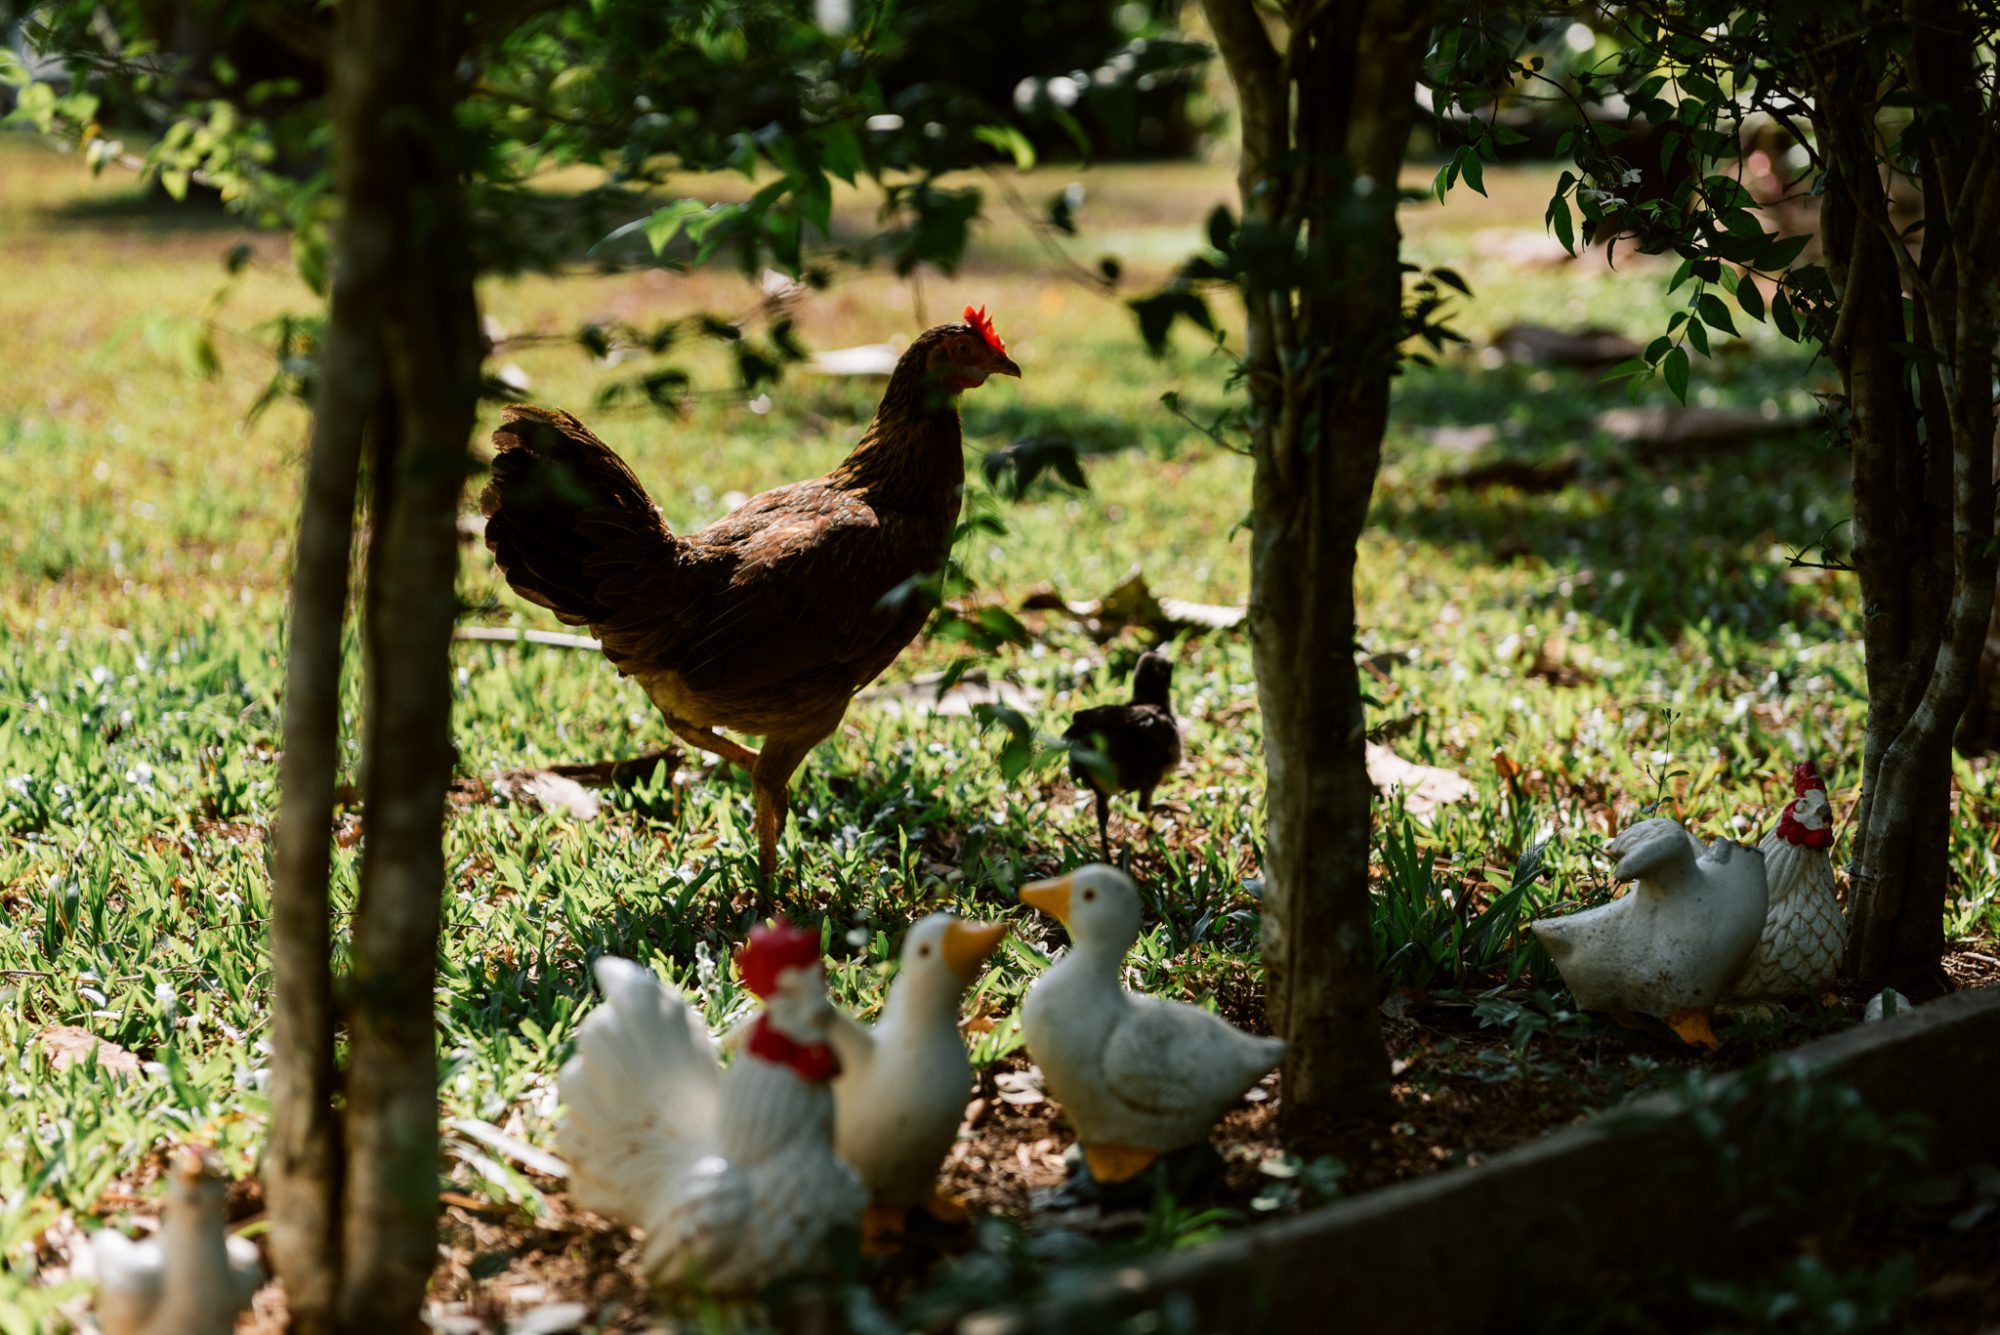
x: 618, y: 773
x: 946, y: 1209
x: 1116, y: 1163
x: 1693, y: 1028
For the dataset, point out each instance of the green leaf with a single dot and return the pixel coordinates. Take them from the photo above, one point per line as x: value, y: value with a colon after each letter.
x: 1657, y: 349
x: 664, y: 224
x: 1472, y: 168
x: 1781, y: 251
x: 1562, y: 224
x: 840, y: 152
x: 1697, y: 334
x: 1782, y: 318
x: 1010, y: 141
x: 814, y: 196
x: 1750, y: 299
x: 1713, y: 311
x: 1442, y: 181
x: 1158, y: 312
x: 1675, y: 367
x: 175, y: 182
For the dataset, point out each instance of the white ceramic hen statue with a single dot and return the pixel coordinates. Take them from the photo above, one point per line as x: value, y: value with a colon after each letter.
x: 1670, y: 947
x: 1136, y: 1076
x: 1805, y: 933
x: 904, y: 1083
x: 730, y: 1174
x: 189, y: 1279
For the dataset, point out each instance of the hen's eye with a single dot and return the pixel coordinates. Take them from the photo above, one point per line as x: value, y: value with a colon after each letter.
x: 1090, y: 894
x: 923, y: 952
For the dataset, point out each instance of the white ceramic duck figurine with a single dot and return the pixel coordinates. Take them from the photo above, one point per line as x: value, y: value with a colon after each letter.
x: 1805, y: 933
x: 189, y: 1279
x: 731, y: 1174
x: 1137, y: 1076
x: 904, y: 1083
x: 1672, y: 946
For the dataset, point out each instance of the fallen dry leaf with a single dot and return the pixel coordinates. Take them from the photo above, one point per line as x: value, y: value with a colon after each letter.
x: 1425, y: 788
x: 1133, y: 603
x: 65, y: 1045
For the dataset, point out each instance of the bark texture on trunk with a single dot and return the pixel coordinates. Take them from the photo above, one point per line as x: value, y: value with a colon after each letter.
x: 302, y: 1162
x: 396, y: 62
x: 1325, y: 125
x: 1924, y: 450
x: 354, y: 1192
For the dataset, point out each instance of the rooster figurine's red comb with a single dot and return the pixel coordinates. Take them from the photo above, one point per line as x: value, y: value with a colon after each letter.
x: 1805, y: 778
x: 977, y: 319
x: 771, y: 951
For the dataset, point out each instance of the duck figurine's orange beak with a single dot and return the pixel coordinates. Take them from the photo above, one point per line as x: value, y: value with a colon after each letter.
x: 967, y: 944
x: 1051, y: 897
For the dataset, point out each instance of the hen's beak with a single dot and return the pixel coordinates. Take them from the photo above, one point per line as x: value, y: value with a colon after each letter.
x: 967, y: 944
x: 1051, y: 897
x: 1004, y: 365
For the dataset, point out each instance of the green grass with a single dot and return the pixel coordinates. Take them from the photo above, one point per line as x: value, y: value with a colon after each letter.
x: 144, y: 533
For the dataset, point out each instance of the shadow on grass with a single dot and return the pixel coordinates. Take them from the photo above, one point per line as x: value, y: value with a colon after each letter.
x: 1648, y: 540
x: 149, y: 209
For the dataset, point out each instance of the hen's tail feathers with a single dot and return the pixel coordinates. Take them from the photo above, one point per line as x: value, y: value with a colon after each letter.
x: 641, y: 1092
x: 566, y: 520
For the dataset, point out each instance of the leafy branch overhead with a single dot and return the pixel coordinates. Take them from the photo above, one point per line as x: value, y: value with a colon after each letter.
x: 632, y: 95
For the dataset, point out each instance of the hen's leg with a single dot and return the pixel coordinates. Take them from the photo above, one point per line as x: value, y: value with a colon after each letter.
x: 1104, y: 822
x: 713, y: 742
x: 770, y: 782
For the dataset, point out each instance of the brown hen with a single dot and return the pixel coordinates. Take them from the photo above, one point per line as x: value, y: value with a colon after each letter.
x: 770, y: 619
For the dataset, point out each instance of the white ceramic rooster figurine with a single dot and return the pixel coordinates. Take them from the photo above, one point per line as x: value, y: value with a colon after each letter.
x: 904, y: 1084
x: 1671, y: 947
x: 1137, y: 1076
x: 731, y: 1174
x: 1805, y: 933
x: 189, y: 1279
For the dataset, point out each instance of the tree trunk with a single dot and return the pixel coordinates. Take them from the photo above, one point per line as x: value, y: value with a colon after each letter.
x: 354, y: 1220
x: 1324, y: 130
x: 1924, y: 448
x: 396, y: 63
x: 302, y: 1163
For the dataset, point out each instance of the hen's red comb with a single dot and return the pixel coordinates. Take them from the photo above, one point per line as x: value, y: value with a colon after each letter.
x: 1805, y: 777
x: 771, y: 951
x: 977, y: 319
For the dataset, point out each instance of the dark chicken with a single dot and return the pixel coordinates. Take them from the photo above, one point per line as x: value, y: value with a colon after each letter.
x: 1136, y: 745
x: 770, y: 619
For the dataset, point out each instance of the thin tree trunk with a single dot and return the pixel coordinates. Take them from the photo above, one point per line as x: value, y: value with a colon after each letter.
x: 302, y: 1163
x: 354, y: 1220
x: 1324, y: 130
x: 1924, y: 475
x: 396, y: 61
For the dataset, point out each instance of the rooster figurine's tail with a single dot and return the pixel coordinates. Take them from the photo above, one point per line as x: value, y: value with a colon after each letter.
x: 641, y: 1092
x: 565, y: 518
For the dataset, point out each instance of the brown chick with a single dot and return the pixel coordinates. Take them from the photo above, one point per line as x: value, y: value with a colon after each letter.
x: 1140, y: 740
x: 770, y: 619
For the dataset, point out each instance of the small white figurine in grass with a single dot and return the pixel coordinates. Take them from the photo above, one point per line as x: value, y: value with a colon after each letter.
x: 1137, y: 1076
x: 731, y: 1173
x: 905, y: 1081
x: 1672, y: 946
x: 1805, y: 933
x: 187, y: 1279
